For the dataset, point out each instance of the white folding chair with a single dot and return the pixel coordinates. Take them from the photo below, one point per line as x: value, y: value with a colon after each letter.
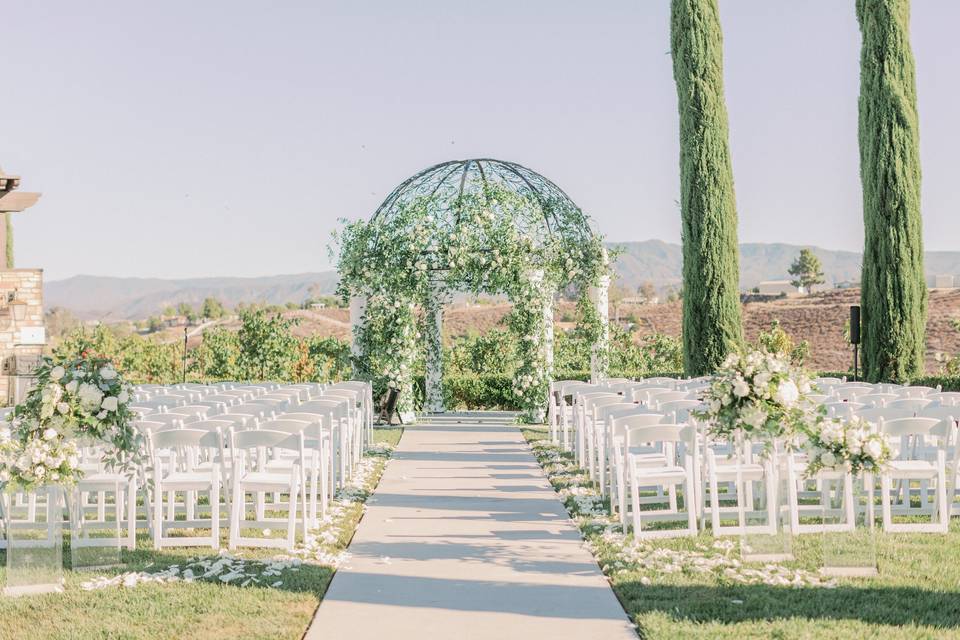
x: 251, y: 450
x: 181, y: 470
x: 670, y: 475
x: 906, y: 433
x: 622, y: 427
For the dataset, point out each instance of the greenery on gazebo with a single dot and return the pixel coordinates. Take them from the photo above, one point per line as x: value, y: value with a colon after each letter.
x: 484, y: 235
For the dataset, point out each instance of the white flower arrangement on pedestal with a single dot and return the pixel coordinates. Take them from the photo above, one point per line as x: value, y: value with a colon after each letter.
x: 757, y: 394
x: 80, y: 399
x: 851, y: 445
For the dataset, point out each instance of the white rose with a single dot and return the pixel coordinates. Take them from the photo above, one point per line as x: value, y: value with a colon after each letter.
x: 63, y: 407
x: 57, y: 372
x: 101, y: 415
x: 754, y: 416
x: 787, y: 393
x: 123, y: 397
x: 853, y: 442
x: 828, y: 459
x: 4, y: 476
x: 110, y: 403
x: 762, y: 379
x: 90, y: 395
x: 108, y: 373
x: 50, y: 434
x: 740, y: 388
x: 39, y: 471
x: 874, y: 449
x: 71, y: 386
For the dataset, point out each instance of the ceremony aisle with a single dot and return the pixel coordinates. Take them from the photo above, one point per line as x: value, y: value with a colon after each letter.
x: 465, y: 538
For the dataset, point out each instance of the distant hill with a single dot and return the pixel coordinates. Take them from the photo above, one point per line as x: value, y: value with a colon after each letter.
x: 97, y: 296
x: 661, y: 263
x: 652, y: 261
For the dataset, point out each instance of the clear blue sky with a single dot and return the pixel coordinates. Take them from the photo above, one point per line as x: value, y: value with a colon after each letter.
x: 184, y: 139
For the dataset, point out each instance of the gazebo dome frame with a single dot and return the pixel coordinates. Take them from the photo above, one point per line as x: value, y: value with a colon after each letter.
x: 454, y: 178
x: 537, y: 210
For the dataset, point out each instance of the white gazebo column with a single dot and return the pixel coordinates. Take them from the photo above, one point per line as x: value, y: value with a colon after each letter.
x: 433, y: 400
x: 548, y: 331
x: 599, y: 356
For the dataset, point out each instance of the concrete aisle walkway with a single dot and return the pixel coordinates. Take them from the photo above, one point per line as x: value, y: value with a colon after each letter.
x: 465, y: 539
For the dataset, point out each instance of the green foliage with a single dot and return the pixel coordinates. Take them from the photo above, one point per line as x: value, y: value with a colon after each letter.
x: 661, y: 352
x: 481, y: 354
x: 893, y: 291
x: 807, y: 270
x: 331, y: 358
x: 267, y: 346
x: 779, y: 342
x: 212, y: 309
x: 139, y: 359
x: 217, y: 356
x: 186, y: 309
x: 711, y: 300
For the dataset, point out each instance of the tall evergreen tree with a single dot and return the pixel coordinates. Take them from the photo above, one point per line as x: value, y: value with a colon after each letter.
x: 893, y: 294
x: 711, y: 296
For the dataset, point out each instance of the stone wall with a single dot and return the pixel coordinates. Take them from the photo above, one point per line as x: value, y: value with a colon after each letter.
x: 21, y: 341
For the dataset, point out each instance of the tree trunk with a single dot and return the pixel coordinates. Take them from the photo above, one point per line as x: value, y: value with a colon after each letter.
x: 893, y: 290
x: 711, y: 293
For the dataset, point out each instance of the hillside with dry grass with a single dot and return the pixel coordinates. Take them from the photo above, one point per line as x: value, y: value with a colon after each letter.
x: 818, y: 318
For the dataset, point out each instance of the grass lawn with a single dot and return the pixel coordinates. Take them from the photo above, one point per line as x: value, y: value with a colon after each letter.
x: 916, y: 595
x: 201, y: 609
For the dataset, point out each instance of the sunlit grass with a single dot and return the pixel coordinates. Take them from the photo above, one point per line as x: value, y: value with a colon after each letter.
x: 201, y: 610
x: 916, y: 595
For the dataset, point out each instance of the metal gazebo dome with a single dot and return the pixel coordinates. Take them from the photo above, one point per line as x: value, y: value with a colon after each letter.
x: 548, y: 209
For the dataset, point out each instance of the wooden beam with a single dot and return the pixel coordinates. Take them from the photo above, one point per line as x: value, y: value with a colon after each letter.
x: 14, y: 201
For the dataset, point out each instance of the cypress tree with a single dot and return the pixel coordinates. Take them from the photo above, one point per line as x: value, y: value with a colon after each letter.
x: 711, y: 296
x: 893, y: 293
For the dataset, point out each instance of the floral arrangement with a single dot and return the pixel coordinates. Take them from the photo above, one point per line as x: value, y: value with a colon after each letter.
x: 758, y: 394
x: 81, y: 400
x: 851, y: 445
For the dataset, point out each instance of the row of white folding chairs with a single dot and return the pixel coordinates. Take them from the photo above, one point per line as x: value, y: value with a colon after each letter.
x: 285, y: 456
x: 202, y: 457
x: 563, y: 393
x: 225, y: 395
x: 345, y: 411
x: 644, y: 457
x: 334, y: 409
x: 748, y: 470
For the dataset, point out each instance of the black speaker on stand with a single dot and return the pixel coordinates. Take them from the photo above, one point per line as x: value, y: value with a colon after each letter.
x: 855, y: 337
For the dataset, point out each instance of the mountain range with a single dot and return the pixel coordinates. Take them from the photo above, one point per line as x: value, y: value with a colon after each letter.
x: 654, y: 261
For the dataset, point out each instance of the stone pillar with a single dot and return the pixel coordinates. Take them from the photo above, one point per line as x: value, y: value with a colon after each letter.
x: 599, y: 356
x: 433, y: 338
x: 22, y: 338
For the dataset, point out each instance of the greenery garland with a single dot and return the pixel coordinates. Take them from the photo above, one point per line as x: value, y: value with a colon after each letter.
x: 493, y: 248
